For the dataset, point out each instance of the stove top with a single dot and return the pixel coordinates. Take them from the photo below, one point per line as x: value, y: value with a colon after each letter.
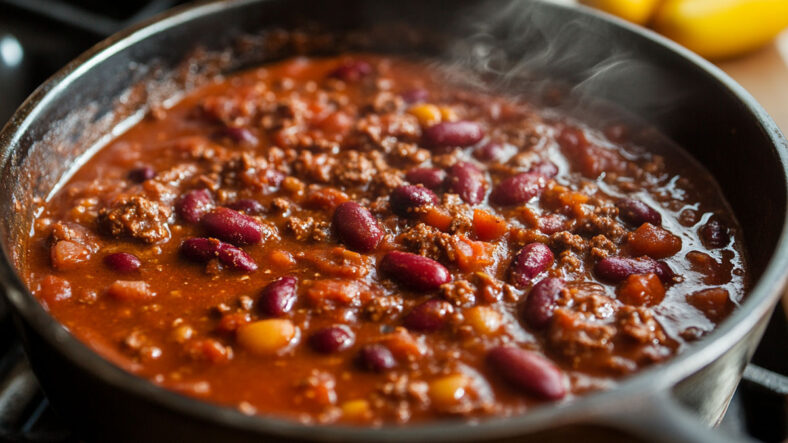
x: 37, y: 37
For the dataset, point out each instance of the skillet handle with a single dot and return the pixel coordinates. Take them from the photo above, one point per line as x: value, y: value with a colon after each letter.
x: 660, y: 418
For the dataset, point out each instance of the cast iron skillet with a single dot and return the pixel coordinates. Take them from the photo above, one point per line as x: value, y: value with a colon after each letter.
x: 518, y: 43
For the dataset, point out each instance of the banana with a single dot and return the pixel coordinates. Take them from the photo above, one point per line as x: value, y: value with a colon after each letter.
x: 718, y: 29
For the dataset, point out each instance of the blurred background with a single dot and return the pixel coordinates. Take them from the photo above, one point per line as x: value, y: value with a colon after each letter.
x: 746, y: 38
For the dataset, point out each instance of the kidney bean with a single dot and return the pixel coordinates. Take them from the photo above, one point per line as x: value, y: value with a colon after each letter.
x: 141, y: 174
x: 429, y: 316
x: 278, y: 298
x: 545, y: 168
x: 352, y: 71
x: 247, y: 205
x: 356, y: 227
x: 235, y: 258
x: 194, y: 204
x: 432, y: 178
x: 541, y: 302
x: 714, y: 234
x: 635, y: 212
x: 490, y: 152
x: 238, y: 135
x: 418, y: 95
x: 616, y: 269
x: 414, y: 271
x: 467, y: 181
x: 460, y: 133
x: 518, y: 189
x: 376, y: 358
x: 528, y: 371
x: 532, y: 259
x: 200, y: 249
x: 204, y: 249
x: 232, y: 226
x: 122, y: 262
x: 405, y: 199
x: 332, y: 339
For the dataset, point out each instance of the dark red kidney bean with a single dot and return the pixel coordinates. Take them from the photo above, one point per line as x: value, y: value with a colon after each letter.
x: 532, y: 259
x: 429, y: 316
x: 418, y: 95
x: 200, y: 249
x: 141, y: 174
x: 545, y: 168
x: 194, y: 205
x: 376, y: 358
x: 540, y: 305
x: 356, y: 227
x: 232, y: 226
x: 445, y: 134
x: 467, y: 181
x: 432, y: 178
x: 352, y: 71
x: 332, y: 339
x: 616, y: 269
x: 714, y: 234
x: 518, y: 189
x: 528, y: 371
x: 122, y: 262
x: 414, y: 271
x: 490, y: 152
x: 405, y: 199
x: 247, y: 205
x: 204, y: 249
x: 239, y: 135
x: 635, y: 212
x: 278, y: 298
x: 235, y: 258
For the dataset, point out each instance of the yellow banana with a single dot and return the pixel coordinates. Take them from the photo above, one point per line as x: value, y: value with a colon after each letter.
x: 635, y: 11
x: 719, y: 29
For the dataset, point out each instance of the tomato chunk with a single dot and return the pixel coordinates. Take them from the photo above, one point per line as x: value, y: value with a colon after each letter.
x: 653, y: 241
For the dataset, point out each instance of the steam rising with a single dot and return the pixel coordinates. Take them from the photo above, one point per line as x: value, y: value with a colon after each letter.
x: 521, y: 48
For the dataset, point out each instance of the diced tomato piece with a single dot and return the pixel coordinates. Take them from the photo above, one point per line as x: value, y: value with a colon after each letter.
x: 123, y: 290
x: 585, y: 157
x: 438, y: 219
x: 67, y: 255
x: 641, y: 290
x: 54, y: 289
x: 210, y: 350
x: 335, y: 292
x: 653, y: 241
x: 325, y: 198
x: 403, y: 345
x: 488, y: 227
x: 472, y: 255
x: 715, y: 303
x: 715, y: 273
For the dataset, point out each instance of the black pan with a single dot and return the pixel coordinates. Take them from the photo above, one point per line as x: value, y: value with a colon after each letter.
x: 520, y: 45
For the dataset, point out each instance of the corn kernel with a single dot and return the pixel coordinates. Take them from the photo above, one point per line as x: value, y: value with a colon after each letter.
x: 266, y: 337
x: 427, y: 114
x: 356, y: 409
x: 447, y: 114
x: 448, y: 391
x: 483, y: 319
